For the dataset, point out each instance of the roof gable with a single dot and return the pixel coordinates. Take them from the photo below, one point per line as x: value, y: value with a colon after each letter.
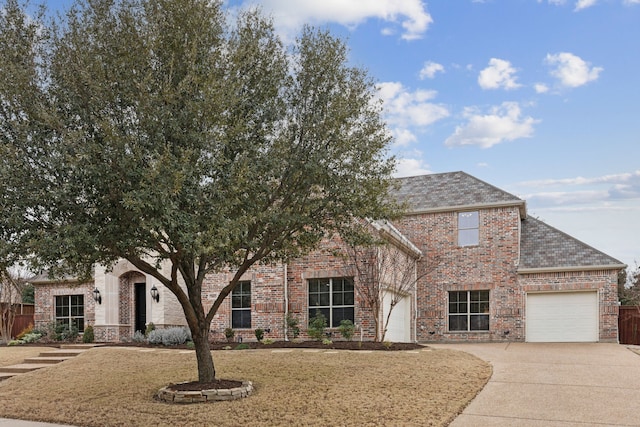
x: 545, y: 247
x: 447, y: 191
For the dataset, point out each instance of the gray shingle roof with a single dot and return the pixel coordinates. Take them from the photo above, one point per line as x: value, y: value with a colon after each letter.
x: 450, y: 190
x: 543, y: 246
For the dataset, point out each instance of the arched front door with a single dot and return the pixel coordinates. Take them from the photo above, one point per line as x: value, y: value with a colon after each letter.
x: 140, y: 306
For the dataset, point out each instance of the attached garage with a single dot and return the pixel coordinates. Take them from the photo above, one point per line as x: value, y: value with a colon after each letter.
x: 399, y: 328
x: 562, y: 317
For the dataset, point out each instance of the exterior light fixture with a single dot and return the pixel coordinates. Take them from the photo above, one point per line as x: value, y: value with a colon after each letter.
x: 96, y: 296
x: 155, y: 295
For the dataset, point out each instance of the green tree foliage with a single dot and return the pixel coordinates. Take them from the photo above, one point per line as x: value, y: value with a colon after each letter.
x: 151, y: 130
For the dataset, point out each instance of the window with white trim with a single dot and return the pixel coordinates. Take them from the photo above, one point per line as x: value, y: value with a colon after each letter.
x: 469, y: 311
x: 70, y: 310
x: 241, y: 306
x: 468, y: 228
x: 334, y: 298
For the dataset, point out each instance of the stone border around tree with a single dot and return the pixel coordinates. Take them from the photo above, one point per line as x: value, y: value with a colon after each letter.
x: 204, y: 396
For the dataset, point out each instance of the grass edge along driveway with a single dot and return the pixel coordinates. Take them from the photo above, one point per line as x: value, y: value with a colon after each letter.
x: 115, y: 387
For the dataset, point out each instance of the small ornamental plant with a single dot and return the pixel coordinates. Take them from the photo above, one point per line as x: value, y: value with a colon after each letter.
x: 347, y: 329
x: 317, y: 325
x: 229, y: 334
x: 259, y: 334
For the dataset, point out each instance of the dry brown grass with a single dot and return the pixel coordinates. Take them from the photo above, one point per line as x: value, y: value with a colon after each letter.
x: 16, y: 354
x: 115, y: 387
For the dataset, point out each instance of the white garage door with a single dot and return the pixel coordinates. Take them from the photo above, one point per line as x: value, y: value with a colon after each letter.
x: 399, y: 328
x: 562, y: 317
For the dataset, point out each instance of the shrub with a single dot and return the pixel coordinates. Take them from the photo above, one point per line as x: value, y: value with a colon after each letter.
x: 347, y: 329
x: 65, y: 332
x: 191, y: 345
x: 317, y: 325
x: 138, y: 336
x: 259, y: 334
x: 327, y: 341
x: 169, y: 336
x: 25, y: 331
x: 32, y: 337
x: 387, y: 344
x: 292, y: 325
x: 150, y: 327
x: 242, y: 346
x: 229, y: 334
x: 267, y: 341
x: 88, y: 335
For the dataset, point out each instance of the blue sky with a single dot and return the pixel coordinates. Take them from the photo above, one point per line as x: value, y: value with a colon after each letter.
x: 538, y: 97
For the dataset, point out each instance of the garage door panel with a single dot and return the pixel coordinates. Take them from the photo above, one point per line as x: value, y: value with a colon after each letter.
x: 562, y: 317
x: 399, y: 327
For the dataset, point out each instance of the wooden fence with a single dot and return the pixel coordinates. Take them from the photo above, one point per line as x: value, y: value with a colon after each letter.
x: 23, y: 317
x: 629, y: 325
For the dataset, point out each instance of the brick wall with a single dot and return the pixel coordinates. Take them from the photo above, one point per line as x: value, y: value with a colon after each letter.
x: 45, y: 301
x: 491, y: 265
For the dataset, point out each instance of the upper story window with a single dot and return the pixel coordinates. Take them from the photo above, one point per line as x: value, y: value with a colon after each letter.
x: 334, y: 298
x: 241, y: 306
x: 468, y: 228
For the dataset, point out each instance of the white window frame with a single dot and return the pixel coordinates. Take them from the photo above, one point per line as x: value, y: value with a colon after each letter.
x: 70, y: 318
x: 475, y: 310
x: 468, y: 228
x: 239, y: 293
x: 330, y: 307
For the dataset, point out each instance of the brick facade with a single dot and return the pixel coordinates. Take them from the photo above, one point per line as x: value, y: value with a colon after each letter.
x: 551, y: 262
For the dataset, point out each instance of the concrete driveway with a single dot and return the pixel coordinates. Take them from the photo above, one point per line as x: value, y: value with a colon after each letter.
x: 555, y: 385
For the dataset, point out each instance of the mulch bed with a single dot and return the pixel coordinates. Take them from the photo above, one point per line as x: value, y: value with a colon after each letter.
x: 336, y: 345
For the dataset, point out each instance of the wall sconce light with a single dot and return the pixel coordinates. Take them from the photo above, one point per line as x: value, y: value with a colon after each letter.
x: 155, y: 295
x: 96, y: 296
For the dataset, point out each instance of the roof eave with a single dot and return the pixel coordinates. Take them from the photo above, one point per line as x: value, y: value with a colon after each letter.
x: 571, y: 268
x: 521, y: 204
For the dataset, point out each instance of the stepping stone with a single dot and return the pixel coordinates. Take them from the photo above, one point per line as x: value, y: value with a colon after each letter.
x: 46, y: 360
x: 22, y: 368
x: 61, y: 353
x: 6, y: 375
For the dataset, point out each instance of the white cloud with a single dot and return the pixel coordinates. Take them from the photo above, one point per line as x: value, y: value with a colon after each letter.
x: 403, y: 108
x: 630, y: 2
x: 541, y: 88
x: 502, y: 123
x: 571, y: 70
x: 583, y: 4
x: 411, y: 167
x: 499, y: 74
x: 581, y: 190
x: 403, y: 137
x: 411, y: 15
x: 430, y: 69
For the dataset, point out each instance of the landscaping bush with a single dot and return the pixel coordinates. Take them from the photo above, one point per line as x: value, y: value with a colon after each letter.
x: 88, y: 336
x: 243, y: 346
x: 259, y: 334
x: 229, y: 334
x: 25, y: 331
x: 292, y: 325
x: 150, y: 327
x: 317, y: 325
x: 347, y: 329
x: 169, y: 336
x: 138, y: 336
x: 65, y: 332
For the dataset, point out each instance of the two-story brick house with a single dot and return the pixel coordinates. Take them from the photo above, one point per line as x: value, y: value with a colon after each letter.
x: 499, y: 276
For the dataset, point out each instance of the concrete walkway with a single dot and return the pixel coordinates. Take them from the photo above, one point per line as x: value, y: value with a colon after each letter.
x: 555, y: 385
x: 6, y: 422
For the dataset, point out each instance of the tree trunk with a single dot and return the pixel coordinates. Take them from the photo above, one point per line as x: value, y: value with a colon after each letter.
x: 206, y: 370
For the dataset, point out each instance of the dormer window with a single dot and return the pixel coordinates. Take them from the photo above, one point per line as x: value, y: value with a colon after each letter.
x: 468, y: 228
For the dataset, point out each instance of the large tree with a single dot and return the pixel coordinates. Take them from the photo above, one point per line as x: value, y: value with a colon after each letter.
x: 153, y: 131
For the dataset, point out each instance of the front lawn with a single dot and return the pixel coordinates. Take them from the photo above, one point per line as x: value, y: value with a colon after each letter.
x: 115, y: 387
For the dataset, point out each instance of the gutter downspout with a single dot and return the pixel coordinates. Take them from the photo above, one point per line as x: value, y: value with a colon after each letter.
x: 286, y: 302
